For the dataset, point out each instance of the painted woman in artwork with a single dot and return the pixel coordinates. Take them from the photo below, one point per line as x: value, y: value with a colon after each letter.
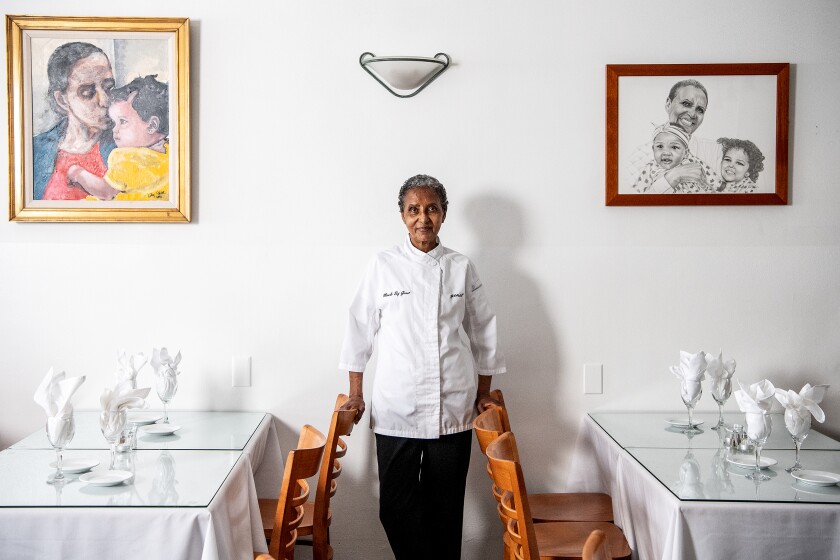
x: 80, y: 79
x: 138, y: 169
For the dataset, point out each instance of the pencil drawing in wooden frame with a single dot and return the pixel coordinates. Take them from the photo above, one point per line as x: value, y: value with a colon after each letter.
x: 658, y: 154
x: 98, y: 119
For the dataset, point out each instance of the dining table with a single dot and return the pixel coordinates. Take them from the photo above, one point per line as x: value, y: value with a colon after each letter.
x: 686, y: 496
x: 192, y: 494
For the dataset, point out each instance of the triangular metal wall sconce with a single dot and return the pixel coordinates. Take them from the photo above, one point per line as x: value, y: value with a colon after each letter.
x: 404, y: 76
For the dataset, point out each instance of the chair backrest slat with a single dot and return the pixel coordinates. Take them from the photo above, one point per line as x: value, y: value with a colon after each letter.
x: 341, y: 425
x: 301, y: 463
x: 507, y: 475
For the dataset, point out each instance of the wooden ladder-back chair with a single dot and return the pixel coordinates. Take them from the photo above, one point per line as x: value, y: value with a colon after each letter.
x: 317, y: 515
x: 541, y: 541
x: 301, y: 463
x: 546, y: 507
x: 596, y: 547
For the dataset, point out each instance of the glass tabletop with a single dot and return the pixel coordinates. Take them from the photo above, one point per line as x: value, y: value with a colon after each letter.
x: 198, y: 430
x: 162, y: 478
x: 707, y: 474
x: 659, y: 429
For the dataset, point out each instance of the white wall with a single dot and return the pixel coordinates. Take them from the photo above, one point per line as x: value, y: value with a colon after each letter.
x: 297, y: 158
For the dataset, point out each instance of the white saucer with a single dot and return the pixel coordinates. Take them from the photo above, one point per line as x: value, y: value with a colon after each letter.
x: 683, y: 422
x: 816, y: 478
x: 74, y: 466
x: 144, y: 418
x: 160, y: 429
x: 105, y: 478
x: 748, y: 461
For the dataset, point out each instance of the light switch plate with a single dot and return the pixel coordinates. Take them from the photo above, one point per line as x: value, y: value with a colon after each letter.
x: 240, y: 367
x: 593, y: 379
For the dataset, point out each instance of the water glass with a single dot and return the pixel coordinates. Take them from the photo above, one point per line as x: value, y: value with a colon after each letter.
x: 689, y: 404
x: 166, y: 386
x: 721, y: 391
x: 798, y: 432
x: 112, y: 424
x: 758, y: 435
x: 60, y: 431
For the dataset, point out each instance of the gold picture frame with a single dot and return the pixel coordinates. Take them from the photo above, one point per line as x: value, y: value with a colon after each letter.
x: 746, y: 126
x: 69, y: 162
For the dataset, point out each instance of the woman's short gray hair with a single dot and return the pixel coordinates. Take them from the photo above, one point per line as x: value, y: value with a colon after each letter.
x: 423, y: 182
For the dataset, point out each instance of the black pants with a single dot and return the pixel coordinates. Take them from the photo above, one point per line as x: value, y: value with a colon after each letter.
x: 421, y: 488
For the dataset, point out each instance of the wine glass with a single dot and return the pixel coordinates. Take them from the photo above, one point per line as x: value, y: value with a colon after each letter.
x: 112, y: 424
x: 166, y: 386
x: 758, y: 430
x: 689, y: 402
x: 721, y: 391
x: 60, y: 431
x: 798, y: 430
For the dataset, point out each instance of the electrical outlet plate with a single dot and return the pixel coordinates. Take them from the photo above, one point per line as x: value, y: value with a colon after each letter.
x: 593, y: 379
x: 240, y: 367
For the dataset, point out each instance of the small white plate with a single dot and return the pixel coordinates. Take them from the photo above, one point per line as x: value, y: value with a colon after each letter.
x: 816, y: 478
x: 105, y: 478
x: 683, y: 422
x: 144, y: 418
x: 74, y: 466
x: 160, y: 429
x: 748, y: 461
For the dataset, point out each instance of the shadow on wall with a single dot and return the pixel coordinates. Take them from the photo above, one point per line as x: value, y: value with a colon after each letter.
x: 527, y: 337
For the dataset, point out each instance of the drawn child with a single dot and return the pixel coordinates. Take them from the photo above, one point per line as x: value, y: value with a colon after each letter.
x: 742, y: 162
x: 670, y: 149
x: 138, y: 168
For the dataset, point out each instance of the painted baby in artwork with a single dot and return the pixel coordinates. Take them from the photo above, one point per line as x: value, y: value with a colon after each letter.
x: 138, y: 168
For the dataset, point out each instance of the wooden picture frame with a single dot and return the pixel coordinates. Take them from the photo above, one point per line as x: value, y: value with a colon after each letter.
x: 99, y: 119
x: 747, y: 118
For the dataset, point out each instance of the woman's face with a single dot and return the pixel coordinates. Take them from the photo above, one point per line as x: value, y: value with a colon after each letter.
x: 734, y: 165
x: 86, y: 98
x: 687, y: 108
x: 423, y: 215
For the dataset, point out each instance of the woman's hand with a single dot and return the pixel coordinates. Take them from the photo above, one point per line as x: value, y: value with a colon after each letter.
x: 356, y: 403
x: 684, y: 173
x: 483, y: 402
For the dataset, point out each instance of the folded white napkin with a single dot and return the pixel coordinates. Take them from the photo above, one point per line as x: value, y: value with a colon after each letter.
x: 800, y: 406
x: 122, y: 397
x: 55, y: 391
x: 163, y: 363
x: 54, y: 395
x: 130, y: 366
x: 755, y: 402
x: 720, y: 372
x: 690, y: 371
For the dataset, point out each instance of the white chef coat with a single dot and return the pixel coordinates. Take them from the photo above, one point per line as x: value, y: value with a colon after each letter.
x: 415, y: 303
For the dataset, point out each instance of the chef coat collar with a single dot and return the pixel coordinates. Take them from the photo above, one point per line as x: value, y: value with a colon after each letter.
x: 432, y: 256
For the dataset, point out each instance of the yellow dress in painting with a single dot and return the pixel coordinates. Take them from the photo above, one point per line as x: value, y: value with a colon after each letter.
x: 139, y: 173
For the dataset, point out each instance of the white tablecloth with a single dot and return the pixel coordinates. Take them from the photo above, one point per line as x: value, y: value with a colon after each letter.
x: 229, y: 528
x: 658, y: 525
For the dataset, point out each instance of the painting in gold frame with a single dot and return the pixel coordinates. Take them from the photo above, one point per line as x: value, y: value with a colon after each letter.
x: 739, y: 156
x: 98, y: 119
